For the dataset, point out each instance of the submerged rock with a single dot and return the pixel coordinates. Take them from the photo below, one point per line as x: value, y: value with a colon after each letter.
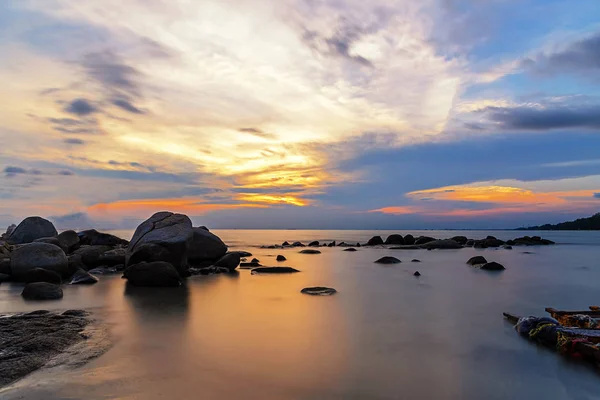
x: 298, y: 244
x: 82, y: 277
x: 492, y: 266
x: 350, y: 249
x: 415, y: 260
x: 477, y: 260
x: 153, y: 274
x: 445, y: 244
x: 229, y: 261
x: 310, y: 251
x: 319, y: 291
x: 241, y: 253
x: 274, y: 270
x: 417, y: 273
x: 388, y: 260
x: 281, y: 258
x: 41, y: 275
x: 42, y: 291
x: 30, y: 229
x: 38, y: 255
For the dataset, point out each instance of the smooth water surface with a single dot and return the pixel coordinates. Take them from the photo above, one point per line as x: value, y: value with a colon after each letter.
x: 385, y: 335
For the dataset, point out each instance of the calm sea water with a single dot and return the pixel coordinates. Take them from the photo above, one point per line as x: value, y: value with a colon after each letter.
x: 385, y: 335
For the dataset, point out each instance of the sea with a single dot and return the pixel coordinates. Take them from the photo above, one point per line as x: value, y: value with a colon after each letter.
x: 386, y: 334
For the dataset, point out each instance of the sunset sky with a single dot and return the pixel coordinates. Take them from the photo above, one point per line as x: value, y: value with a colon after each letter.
x: 300, y: 113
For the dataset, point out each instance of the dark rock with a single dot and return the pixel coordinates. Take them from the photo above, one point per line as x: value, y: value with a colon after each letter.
x: 173, y: 232
x: 42, y: 291
x: 479, y: 244
x: 4, y: 277
x: 510, y: 242
x: 507, y: 247
x: 74, y: 263
x: 211, y: 271
x: 357, y: 244
x: 5, y: 266
x: 32, y: 228
x: 205, y: 246
x: 531, y: 241
x: 150, y: 252
x: 314, y: 244
x: 310, y: 251
x: 536, y: 238
x: 409, y: 239
x: 298, y: 244
x: 94, y: 238
x: 49, y: 240
x: 445, y: 244
x: 342, y: 244
x: 415, y: 260
x: 350, y: 249
x: 82, y: 277
x: 153, y: 274
x: 394, y: 239
x: 417, y: 273
x: 470, y: 243
x: 491, y: 238
x: 69, y: 241
x: 38, y: 255
x: 103, y: 271
x: 255, y: 260
x: 281, y: 258
x: 113, y: 257
x: 423, y: 240
x: 274, y: 270
x: 203, y: 227
x: 460, y: 239
x: 319, y: 291
x: 477, y: 260
x: 9, y: 230
x: 229, y: 261
x: 491, y: 241
x: 249, y: 265
x: 332, y: 244
x: 75, y: 313
x: 90, y: 255
x: 492, y: 266
x: 241, y: 253
x: 375, y: 241
x: 407, y: 247
x: 388, y: 260
x: 41, y: 275
x: 285, y: 244
x: 119, y: 267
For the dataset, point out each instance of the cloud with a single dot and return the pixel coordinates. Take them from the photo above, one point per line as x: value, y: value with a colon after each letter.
x: 597, y: 195
x: 80, y: 107
x: 65, y: 173
x: 543, y: 118
x: 581, y: 56
x: 258, y: 133
x: 127, y: 106
x: 74, y: 141
x: 338, y: 44
x: 112, y: 73
x: 14, y: 170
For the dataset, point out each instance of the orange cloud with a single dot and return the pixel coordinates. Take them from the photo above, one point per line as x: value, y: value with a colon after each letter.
x: 272, y: 199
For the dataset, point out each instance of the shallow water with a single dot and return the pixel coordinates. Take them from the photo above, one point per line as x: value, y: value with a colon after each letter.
x: 385, y: 335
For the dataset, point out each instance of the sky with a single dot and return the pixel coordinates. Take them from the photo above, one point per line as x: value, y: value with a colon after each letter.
x: 316, y: 114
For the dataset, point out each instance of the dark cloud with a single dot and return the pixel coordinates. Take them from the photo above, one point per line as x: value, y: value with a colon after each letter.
x: 597, y: 195
x: 11, y: 171
x: 581, y: 56
x: 127, y: 106
x: 338, y: 44
x: 112, y: 73
x: 80, y: 107
x: 74, y: 141
x: 71, y: 126
x: 544, y: 118
x: 65, y: 173
x: 65, y: 122
x: 258, y: 133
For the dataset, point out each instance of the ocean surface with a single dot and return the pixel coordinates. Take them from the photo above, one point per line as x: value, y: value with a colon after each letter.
x: 385, y: 335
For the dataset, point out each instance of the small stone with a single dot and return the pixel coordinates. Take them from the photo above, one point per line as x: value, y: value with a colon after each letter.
x: 388, y: 260
x: 255, y: 260
x: 281, y: 258
x: 273, y: 270
x: 350, y: 249
x: 477, y: 260
x: 493, y: 266
x: 310, y: 251
x: 415, y: 260
x: 417, y: 273
x: 42, y: 291
x: 319, y: 291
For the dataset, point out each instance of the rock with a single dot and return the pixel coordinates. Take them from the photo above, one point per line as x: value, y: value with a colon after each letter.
x: 477, y: 260
x: 153, y: 274
x: 350, y: 249
x: 507, y: 247
x: 49, y: 240
x: 9, y: 230
x: 242, y: 253
x: 415, y: 260
x: 406, y: 247
x: 417, y: 273
x: 42, y: 291
x: 82, y: 277
x: 470, y: 243
x: 510, y: 242
x: 531, y: 241
x: 444, y: 244
x: 332, y: 244
x: 4, y: 277
x: 90, y: 255
x: 255, y: 260
x: 357, y: 244
x: 423, y: 240
x: 492, y: 266
x: 103, y: 271
x: 229, y: 261
x: 211, y: 271
x: 119, y: 267
x: 314, y: 244
x: 310, y: 251
x: 205, y: 246
x: 32, y: 228
x: 94, y: 238
x: 249, y: 265
x: 297, y: 244
x: 281, y: 258
x: 113, y: 257
x: 375, y: 241
x: 285, y: 244
x: 394, y: 239
x: 38, y: 255
x: 460, y: 239
x: 5, y: 266
x: 75, y: 313
x: 69, y: 241
x: 41, y: 275
x: 388, y: 260
x: 409, y: 239
x: 174, y: 233
x: 319, y: 291
x: 273, y: 270
x: 75, y: 263
x: 150, y: 252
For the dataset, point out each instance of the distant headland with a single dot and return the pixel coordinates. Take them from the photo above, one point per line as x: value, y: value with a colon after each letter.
x: 582, y: 224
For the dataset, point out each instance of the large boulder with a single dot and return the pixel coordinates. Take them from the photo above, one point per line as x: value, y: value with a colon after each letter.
x: 94, y: 238
x: 69, y: 241
x: 442, y: 244
x: 423, y: 240
x: 154, y: 274
x: 41, y: 275
x: 493, y: 266
x: 113, y: 257
x: 91, y: 255
x: 171, y: 231
x: 394, y: 239
x: 42, y: 291
x: 205, y: 246
x: 50, y: 240
x: 32, y: 228
x: 231, y: 261
x: 38, y: 255
x: 409, y: 239
x: 460, y: 239
x: 374, y: 241
x: 477, y: 260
